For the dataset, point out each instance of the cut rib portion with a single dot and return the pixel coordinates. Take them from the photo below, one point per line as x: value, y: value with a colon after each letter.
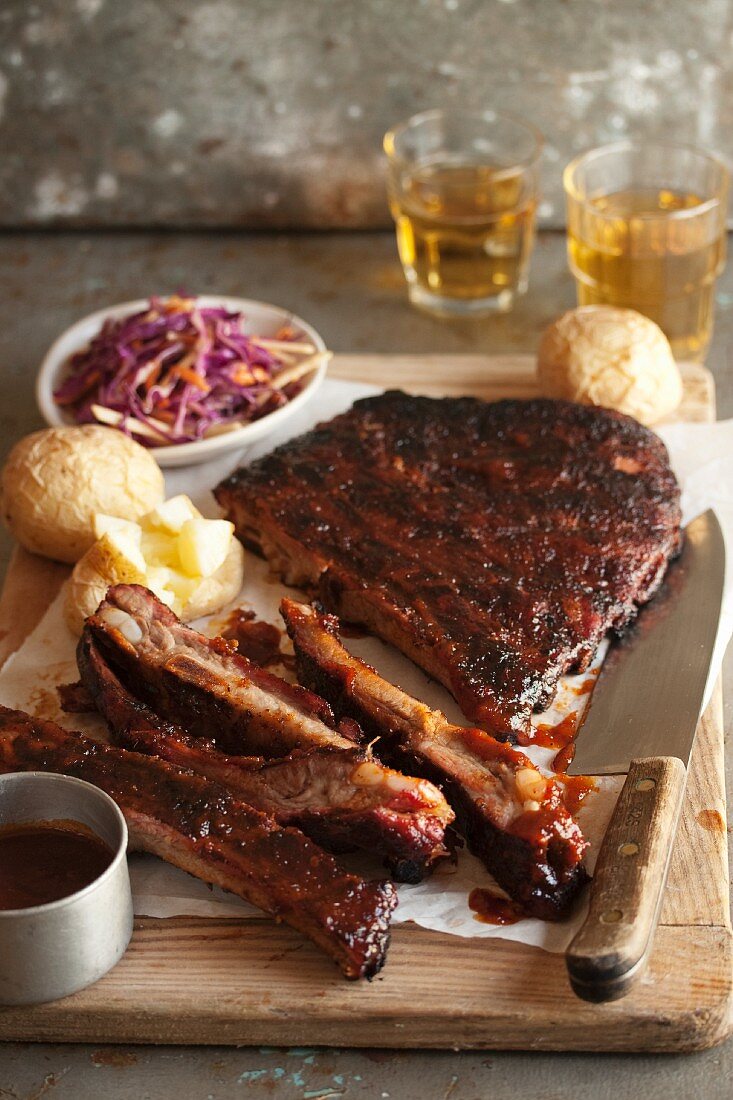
x: 338, y: 796
x: 198, y: 826
x: 513, y: 818
x: 494, y: 544
x: 204, y: 685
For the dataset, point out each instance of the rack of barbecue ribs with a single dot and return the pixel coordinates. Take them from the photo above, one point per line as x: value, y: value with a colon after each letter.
x: 493, y: 543
x: 198, y: 825
x: 511, y: 815
x: 167, y: 690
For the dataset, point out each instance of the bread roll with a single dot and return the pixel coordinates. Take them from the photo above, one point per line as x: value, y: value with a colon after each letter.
x: 56, y: 479
x: 617, y: 358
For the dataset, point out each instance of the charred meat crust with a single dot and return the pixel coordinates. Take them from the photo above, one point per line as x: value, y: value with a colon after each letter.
x: 494, y: 544
x: 197, y: 825
x: 325, y: 792
x: 535, y: 854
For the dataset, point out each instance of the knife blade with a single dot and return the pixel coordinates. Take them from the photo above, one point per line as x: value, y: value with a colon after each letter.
x: 641, y: 721
x: 649, y: 693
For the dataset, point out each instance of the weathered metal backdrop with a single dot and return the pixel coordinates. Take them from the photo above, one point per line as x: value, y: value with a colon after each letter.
x: 271, y: 112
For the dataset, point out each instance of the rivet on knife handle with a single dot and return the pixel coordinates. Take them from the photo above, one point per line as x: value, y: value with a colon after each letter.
x: 611, y: 948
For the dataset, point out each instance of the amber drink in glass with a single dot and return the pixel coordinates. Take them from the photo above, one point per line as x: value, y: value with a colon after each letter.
x: 463, y: 189
x: 647, y: 231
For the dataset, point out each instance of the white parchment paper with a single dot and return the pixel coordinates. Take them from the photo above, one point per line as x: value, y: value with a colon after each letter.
x: 702, y: 456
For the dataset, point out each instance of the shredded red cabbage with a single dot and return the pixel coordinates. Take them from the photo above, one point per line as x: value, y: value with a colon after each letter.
x: 178, y: 368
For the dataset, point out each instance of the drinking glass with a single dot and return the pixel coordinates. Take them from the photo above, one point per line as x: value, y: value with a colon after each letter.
x: 463, y: 189
x: 647, y: 231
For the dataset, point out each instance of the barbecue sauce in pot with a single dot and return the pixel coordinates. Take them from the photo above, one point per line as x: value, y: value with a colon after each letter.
x: 43, y: 861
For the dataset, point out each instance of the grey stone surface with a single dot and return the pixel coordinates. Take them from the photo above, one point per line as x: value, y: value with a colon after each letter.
x: 139, y: 1073
x: 271, y: 112
x: 351, y: 287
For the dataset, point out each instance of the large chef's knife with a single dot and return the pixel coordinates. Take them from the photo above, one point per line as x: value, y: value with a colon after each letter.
x: 641, y: 722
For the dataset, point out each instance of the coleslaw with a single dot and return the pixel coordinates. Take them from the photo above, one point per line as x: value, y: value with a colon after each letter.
x: 178, y: 372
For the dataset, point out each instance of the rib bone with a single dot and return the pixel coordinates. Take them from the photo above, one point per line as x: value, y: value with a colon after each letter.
x: 532, y: 846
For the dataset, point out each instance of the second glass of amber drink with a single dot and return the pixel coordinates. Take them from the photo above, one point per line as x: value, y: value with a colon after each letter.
x: 463, y: 192
x: 647, y: 231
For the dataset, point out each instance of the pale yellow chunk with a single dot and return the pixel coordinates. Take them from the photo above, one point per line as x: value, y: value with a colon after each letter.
x: 203, y: 545
x: 158, y: 581
x: 172, y: 514
x: 127, y: 547
x: 104, y: 524
x: 160, y: 548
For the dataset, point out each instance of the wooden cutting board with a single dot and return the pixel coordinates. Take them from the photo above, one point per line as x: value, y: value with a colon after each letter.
x: 253, y: 982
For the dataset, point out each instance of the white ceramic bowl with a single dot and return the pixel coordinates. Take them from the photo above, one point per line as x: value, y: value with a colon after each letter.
x: 260, y: 319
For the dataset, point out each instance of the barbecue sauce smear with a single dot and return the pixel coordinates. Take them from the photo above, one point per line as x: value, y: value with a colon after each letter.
x: 555, y: 737
x: 256, y: 640
x: 576, y: 789
x: 491, y: 909
x: 44, y: 861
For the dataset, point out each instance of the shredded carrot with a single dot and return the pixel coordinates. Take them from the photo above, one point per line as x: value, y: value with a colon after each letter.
x: 152, y: 377
x: 177, y: 304
x: 285, y: 332
x: 191, y: 376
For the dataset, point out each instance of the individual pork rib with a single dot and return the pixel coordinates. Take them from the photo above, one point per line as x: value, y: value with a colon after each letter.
x: 513, y: 818
x: 204, y: 685
x: 494, y: 544
x: 337, y: 796
x: 197, y: 825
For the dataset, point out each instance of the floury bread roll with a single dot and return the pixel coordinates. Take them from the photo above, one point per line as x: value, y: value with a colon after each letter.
x: 55, y: 480
x: 616, y: 358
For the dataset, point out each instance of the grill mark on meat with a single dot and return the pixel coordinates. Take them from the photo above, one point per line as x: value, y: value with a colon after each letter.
x: 197, y: 825
x: 494, y: 544
x: 534, y: 849
x: 336, y: 796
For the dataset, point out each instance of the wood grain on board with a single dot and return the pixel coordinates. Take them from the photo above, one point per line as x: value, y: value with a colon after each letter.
x: 494, y: 377
x: 189, y: 980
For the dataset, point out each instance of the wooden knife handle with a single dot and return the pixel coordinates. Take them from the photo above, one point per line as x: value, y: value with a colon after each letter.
x: 610, y: 950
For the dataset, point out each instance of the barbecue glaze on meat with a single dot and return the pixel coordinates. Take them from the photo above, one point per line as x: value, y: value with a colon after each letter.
x: 204, y: 685
x: 197, y: 825
x: 338, y: 796
x: 512, y: 818
x: 494, y: 544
